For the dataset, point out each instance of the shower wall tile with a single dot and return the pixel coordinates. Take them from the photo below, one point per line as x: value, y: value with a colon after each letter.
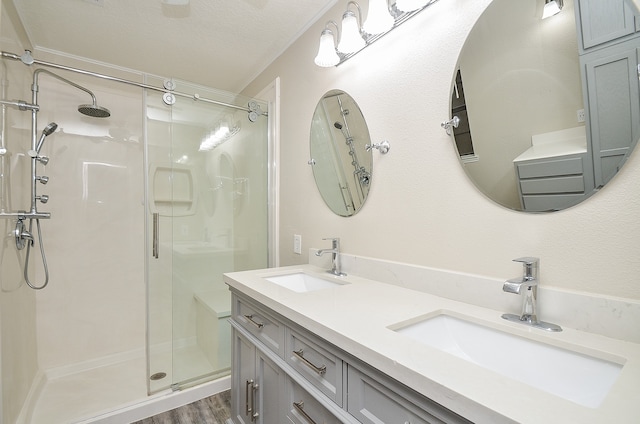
x: 18, y: 346
x: 94, y: 305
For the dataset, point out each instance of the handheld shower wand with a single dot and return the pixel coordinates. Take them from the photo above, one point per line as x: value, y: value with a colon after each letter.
x: 47, y: 131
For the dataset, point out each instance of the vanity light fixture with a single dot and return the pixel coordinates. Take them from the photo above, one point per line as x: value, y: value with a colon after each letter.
x: 327, y: 55
x: 410, y: 5
x: 551, y: 7
x: 351, y: 39
x: 381, y: 19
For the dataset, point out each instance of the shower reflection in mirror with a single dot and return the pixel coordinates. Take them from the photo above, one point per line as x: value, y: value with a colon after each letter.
x: 462, y: 132
x: 342, y: 165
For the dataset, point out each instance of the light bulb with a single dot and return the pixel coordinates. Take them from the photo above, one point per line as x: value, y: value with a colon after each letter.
x: 379, y: 19
x: 327, y: 55
x: 550, y: 8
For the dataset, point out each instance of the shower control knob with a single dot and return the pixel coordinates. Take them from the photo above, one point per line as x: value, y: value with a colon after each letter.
x: 43, y: 179
x: 43, y: 159
x: 44, y: 198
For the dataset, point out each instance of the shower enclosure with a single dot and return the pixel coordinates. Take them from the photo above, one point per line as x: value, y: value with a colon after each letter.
x: 148, y: 208
x: 207, y: 214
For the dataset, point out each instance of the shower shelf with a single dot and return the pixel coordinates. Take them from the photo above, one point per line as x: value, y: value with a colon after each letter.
x: 173, y: 190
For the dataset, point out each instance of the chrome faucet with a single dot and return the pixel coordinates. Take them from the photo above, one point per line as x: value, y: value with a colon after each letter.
x: 335, y: 256
x: 529, y: 282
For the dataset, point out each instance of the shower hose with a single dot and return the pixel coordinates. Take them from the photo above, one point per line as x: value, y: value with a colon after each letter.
x: 44, y: 259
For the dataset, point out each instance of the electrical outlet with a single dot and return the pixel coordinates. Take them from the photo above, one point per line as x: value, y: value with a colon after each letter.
x: 297, y: 244
x: 581, y: 115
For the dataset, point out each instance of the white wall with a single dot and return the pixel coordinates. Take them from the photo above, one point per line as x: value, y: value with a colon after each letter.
x: 422, y: 209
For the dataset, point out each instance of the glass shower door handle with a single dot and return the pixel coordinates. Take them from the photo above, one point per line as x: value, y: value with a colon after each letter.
x: 156, y: 230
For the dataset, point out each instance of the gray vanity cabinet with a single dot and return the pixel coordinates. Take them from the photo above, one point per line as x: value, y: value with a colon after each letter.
x: 553, y: 183
x: 311, y: 380
x: 604, y: 21
x: 257, y: 382
x: 613, y: 92
x: 609, y: 44
x: 257, y: 385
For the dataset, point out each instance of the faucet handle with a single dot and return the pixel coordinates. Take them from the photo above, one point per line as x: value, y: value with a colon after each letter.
x: 528, y: 260
x: 531, y: 265
x: 335, y: 242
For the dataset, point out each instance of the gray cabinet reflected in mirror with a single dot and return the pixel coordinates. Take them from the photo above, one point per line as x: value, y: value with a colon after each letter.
x: 551, y: 108
x: 342, y: 166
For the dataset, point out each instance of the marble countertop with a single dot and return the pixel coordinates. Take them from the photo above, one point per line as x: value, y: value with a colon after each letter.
x: 356, y: 318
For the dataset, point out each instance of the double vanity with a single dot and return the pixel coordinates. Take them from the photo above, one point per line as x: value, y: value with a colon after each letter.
x: 310, y: 347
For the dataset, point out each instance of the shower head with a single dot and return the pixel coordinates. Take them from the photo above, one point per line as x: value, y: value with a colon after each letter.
x: 94, y: 111
x: 89, y: 110
x: 47, y: 131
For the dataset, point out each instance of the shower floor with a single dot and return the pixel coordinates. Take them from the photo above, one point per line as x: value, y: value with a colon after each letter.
x: 79, y: 397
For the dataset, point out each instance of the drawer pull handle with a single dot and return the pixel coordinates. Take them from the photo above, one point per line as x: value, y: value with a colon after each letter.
x: 300, y: 354
x: 251, y: 320
x: 156, y: 234
x: 248, y: 406
x: 300, y: 408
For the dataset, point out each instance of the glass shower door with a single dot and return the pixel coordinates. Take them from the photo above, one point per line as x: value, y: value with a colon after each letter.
x: 207, y: 198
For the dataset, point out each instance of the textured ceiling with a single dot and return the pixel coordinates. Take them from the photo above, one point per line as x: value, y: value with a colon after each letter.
x: 218, y: 43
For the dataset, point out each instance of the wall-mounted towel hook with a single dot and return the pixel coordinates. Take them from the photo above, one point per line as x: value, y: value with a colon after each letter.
x: 452, y: 123
x: 383, y: 147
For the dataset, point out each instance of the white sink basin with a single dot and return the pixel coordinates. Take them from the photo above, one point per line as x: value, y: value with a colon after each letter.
x: 302, y: 282
x: 580, y: 378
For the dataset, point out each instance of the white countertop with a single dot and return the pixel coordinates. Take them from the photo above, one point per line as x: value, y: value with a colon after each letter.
x: 572, y: 141
x: 355, y: 317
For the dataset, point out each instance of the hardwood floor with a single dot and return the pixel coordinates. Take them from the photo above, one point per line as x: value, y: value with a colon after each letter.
x: 212, y: 410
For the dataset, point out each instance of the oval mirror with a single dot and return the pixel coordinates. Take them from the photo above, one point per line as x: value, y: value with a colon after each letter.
x: 342, y: 166
x: 518, y: 91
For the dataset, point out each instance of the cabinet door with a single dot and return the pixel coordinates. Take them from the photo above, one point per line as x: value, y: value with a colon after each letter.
x: 604, y: 20
x: 614, y: 105
x: 243, y: 379
x: 269, y: 394
x: 257, y: 385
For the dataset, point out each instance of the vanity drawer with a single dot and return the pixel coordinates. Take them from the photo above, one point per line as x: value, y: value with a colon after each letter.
x: 551, y: 202
x: 383, y: 400
x: 261, y: 324
x: 303, y: 408
x: 570, y: 184
x: 317, y: 364
x: 550, y: 168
